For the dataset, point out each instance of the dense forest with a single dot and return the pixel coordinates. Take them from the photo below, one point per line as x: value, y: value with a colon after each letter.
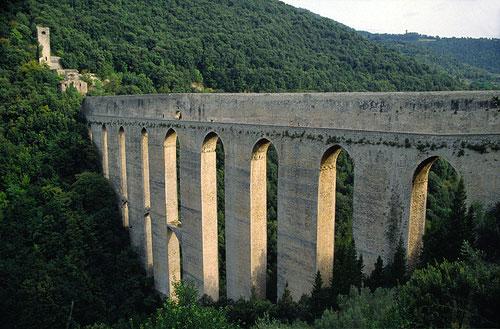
x: 475, y: 62
x: 231, y: 45
x: 65, y: 258
x: 479, y: 52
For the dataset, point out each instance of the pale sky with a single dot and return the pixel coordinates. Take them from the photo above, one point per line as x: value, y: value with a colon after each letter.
x: 446, y: 18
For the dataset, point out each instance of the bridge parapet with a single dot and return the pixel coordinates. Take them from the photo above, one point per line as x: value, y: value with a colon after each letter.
x: 422, y: 112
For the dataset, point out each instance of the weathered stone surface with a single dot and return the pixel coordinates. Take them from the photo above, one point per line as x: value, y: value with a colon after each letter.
x: 389, y: 136
x: 71, y: 77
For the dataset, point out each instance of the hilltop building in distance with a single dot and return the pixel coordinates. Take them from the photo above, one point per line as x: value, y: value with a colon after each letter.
x: 71, y: 76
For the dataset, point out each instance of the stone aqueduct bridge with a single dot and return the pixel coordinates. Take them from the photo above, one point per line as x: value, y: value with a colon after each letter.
x: 392, y: 138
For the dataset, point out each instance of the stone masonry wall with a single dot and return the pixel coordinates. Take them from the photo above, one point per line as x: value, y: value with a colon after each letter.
x: 387, y: 135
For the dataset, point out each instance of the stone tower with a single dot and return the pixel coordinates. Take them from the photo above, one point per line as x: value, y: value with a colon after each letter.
x: 71, y: 76
x: 43, y: 35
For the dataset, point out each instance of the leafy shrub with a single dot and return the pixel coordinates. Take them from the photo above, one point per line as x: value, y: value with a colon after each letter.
x: 449, y: 295
x: 360, y: 309
x: 185, y: 311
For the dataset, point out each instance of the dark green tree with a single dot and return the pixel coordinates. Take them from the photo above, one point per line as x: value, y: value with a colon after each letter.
x: 347, y: 270
x: 449, y: 295
x: 320, y: 298
x: 287, y: 308
x: 457, y: 227
x: 272, y: 223
x: 221, y: 216
x: 377, y: 277
x: 488, y: 233
x: 445, y: 238
x: 397, y: 270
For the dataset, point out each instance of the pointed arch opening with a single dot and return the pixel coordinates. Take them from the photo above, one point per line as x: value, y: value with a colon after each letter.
x: 104, y: 141
x: 263, y: 219
x: 170, y: 147
x: 335, y: 198
x: 123, y: 176
x: 272, y: 167
x: 221, y: 215
x: 434, y: 184
x: 147, y: 202
x: 213, y: 213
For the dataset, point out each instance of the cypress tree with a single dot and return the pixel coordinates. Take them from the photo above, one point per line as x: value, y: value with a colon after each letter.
x: 377, y: 278
x: 319, y: 300
x: 398, y: 268
x: 361, y: 276
x: 432, y: 239
x: 470, y: 226
x: 444, y: 240
x: 488, y: 234
x: 457, y: 228
x: 347, y: 270
x: 286, y: 308
x: 286, y: 297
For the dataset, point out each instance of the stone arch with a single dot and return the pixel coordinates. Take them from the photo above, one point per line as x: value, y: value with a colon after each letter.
x: 209, y: 216
x: 104, y: 141
x: 123, y: 176
x: 147, y: 202
x: 418, y: 207
x: 325, y: 231
x: 258, y: 217
x: 172, y: 207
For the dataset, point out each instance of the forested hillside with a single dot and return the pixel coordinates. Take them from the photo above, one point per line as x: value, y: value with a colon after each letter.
x: 229, y: 45
x: 65, y: 259
x: 476, y: 62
